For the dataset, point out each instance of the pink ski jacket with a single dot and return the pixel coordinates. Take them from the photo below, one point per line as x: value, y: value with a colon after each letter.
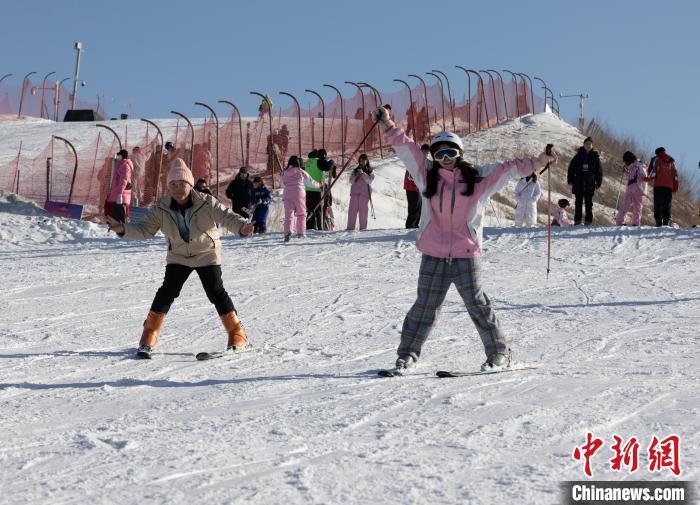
x: 122, y: 177
x: 562, y: 217
x: 361, y: 184
x: 293, y: 180
x: 636, y: 171
x: 453, y: 226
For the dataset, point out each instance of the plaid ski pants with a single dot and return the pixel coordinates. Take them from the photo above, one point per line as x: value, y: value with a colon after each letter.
x: 435, y: 277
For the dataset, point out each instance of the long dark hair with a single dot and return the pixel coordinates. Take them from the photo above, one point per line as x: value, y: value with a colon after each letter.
x: 470, y: 176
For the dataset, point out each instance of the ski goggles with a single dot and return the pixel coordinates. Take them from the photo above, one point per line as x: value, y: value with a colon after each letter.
x: 446, y: 154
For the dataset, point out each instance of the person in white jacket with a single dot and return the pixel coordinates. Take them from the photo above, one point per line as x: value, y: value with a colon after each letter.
x: 527, y: 192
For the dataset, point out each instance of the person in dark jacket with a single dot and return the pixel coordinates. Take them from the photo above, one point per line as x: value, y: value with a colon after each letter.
x: 201, y: 186
x: 238, y: 191
x: 413, y: 197
x: 260, y: 201
x: 585, y: 176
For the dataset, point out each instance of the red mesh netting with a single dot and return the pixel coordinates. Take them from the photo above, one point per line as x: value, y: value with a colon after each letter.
x: 338, y: 127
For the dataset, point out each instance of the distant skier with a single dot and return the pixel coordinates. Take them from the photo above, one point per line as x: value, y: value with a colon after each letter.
x: 560, y: 216
x: 662, y: 173
x: 238, y: 191
x: 413, y: 197
x: 294, y: 197
x: 119, y: 198
x: 259, y: 201
x: 189, y: 220
x: 527, y: 193
x: 201, y: 186
x: 634, y: 174
x: 360, y: 193
x: 455, y: 193
x: 585, y: 175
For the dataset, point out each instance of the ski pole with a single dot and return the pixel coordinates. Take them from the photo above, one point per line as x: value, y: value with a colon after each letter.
x: 350, y: 158
x: 371, y: 206
x: 619, y: 190
x: 498, y: 219
x: 548, y: 150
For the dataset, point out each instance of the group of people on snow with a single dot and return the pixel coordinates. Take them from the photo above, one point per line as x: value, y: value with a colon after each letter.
x: 453, y: 195
x: 585, y: 176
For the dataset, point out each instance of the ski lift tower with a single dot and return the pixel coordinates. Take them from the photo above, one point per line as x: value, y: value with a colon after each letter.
x: 581, y: 98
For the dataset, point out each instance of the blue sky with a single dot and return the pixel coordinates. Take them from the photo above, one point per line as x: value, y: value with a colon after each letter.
x: 638, y: 60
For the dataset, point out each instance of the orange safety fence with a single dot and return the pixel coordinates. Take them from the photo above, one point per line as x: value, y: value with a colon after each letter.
x: 31, y: 177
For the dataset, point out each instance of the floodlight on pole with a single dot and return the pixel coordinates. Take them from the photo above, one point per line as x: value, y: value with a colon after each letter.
x: 79, y: 48
x: 581, y: 98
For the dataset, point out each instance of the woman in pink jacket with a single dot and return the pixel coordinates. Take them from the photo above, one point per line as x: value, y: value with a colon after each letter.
x: 360, y: 193
x: 634, y: 174
x: 294, y: 197
x: 455, y: 194
x: 119, y: 197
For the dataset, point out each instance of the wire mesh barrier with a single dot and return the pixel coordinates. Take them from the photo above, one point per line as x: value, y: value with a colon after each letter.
x: 338, y: 126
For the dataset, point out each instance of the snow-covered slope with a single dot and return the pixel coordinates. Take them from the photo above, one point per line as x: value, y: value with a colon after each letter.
x: 614, y: 331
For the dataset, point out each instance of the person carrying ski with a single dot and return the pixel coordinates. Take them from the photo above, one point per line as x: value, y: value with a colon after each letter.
x: 561, y: 218
x: 635, y: 173
x: 527, y: 192
x: 189, y: 220
x: 119, y: 198
x: 360, y: 193
x: 450, y: 238
x: 294, y: 197
x: 662, y: 173
x: 585, y: 175
x: 238, y: 191
x: 260, y: 202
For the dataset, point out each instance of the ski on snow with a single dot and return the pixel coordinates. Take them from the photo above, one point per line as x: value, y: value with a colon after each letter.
x: 443, y: 374
x: 446, y: 374
x: 204, y: 356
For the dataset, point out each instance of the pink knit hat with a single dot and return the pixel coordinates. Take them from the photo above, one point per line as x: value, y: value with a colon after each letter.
x: 180, y: 172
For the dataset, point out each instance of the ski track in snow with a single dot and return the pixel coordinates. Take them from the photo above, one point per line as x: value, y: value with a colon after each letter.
x: 304, y: 419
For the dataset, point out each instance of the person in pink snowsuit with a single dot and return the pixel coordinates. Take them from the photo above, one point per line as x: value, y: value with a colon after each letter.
x: 294, y: 197
x: 634, y: 174
x: 360, y: 193
x: 119, y: 197
x: 561, y: 218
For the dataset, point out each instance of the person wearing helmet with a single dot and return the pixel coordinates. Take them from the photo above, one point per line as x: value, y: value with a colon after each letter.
x: 454, y: 195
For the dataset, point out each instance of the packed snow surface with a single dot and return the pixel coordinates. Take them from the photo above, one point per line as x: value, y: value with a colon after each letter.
x: 304, y: 419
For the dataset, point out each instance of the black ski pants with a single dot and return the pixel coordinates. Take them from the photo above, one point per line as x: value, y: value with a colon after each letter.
x: 175, y: 277
x: 663, y: 198
x: 313, y: 219
x: 414, y: 206
x: 581, y: 198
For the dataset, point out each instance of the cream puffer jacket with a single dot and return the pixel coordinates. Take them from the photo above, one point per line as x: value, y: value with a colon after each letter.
x: 204, y: 246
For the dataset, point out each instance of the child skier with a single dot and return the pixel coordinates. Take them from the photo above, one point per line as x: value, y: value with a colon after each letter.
x: 560, y: 217
x: 360, y: 193
x: 635, y: 172
x: 455, y: 195
x: 189, y: 220
x: 294, y: 197
x: 527, y: 192
x: 260, y: 202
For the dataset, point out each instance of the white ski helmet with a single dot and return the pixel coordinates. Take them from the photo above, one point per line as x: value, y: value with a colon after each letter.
x: 446, y: 138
